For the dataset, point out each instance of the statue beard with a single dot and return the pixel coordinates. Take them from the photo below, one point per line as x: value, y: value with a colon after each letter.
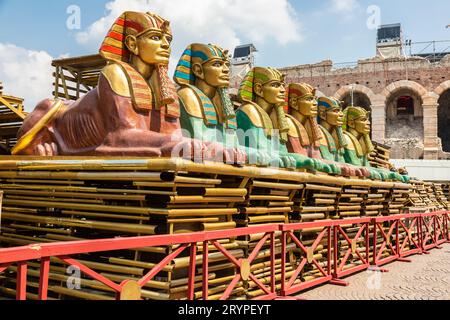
x: 368, y: 142
x: 167, y: 92
x: 315, y: 131
x: 342, y: 142
x: 281, y: 118
x: 227, y: 104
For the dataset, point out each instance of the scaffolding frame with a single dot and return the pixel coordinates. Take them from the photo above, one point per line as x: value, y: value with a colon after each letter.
x: 12, y: 115
x: 76, y: 76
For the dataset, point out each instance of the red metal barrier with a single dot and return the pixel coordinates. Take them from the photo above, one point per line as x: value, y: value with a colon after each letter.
x: 343, y: 265
x: 389, y: 240
x: 447, y: 225
x: 433, y: 230
x: 288, y: 287
x: 63, y: 251
x: 409, y: 224
x: 423, y: 232
x: 243, y: 265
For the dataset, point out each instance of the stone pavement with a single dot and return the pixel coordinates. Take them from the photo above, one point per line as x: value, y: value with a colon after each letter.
x: 426, y: 278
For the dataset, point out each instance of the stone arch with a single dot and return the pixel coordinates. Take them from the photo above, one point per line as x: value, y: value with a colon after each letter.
x: 415, y: 87
x: 405, y: 118
x: 343, y: 91
x: 444, y: 86
x: 442, y: 94
x: 363, y: 97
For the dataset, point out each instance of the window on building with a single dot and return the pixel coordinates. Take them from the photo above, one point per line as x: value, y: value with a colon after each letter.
x: 405, y: 106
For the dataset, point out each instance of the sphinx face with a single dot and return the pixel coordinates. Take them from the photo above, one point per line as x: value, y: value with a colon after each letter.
x: 217, y: 73
x: 362, y: 125
x: 274, y: 92
x: 307, y: 106
x: 335, y: 117
x: 154, y: 47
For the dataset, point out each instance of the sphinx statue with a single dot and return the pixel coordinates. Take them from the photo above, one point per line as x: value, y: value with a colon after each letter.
x: 359, y: 144
x: 263, y: 119
x: 134, y: 111
x: 333, y: 142
x: 207, y: 112
x: 304, y: 133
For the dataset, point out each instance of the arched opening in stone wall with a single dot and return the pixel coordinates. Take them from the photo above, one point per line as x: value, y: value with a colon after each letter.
x: 444, y: 120
x: 404, y: 124
x: 359, y: 100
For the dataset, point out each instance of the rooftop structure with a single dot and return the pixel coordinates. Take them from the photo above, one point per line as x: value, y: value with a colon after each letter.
x: 12, y: 115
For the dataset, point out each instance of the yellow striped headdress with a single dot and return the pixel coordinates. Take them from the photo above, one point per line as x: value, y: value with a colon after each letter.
x: 257, y: 75
x: 246, y: 93
x: 201, y: 54
x: 300, y: 91
x: 114, y: 49
x: 354, y: 113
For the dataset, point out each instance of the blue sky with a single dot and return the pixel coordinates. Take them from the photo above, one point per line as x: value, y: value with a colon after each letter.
x: 341, y: 36
x: 305, y: 32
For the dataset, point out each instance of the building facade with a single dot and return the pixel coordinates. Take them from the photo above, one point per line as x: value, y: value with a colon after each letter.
x: 409, y: 99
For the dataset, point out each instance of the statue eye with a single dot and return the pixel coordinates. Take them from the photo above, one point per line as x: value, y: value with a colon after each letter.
x: 155, y: 38
x: 217, y: 64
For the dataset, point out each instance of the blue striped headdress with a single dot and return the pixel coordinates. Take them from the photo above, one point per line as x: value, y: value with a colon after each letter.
x: 327, y: 103
x: 202, y: 53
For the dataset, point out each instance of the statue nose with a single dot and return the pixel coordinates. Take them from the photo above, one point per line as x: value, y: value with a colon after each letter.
x: 165, y: 43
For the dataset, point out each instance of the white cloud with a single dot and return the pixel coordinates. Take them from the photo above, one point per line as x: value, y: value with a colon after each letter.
x: 26, y: 74
x: 344, y: 6
x: 226, y: 23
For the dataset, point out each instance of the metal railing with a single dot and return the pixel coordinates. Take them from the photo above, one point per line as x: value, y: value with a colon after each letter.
x: 346, y: 254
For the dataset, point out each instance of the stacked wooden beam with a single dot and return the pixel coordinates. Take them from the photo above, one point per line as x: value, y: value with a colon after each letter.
x: 269, y: 201
x: 376, y: 200
x: 431, y: 196
x: 379, y: 158
x: 57, y: 204
x: 417, y: 198
x: 75, y: 199
x: 351, y: 201
x: 440, y: 196
x: 446, y: 190
x: 397, y: 199
x: 12, y: 115
x: 315, y: 202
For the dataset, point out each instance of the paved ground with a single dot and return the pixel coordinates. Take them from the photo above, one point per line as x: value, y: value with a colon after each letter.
x: 426, y: 278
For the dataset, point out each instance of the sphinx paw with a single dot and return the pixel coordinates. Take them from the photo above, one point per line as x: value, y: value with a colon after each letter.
x: 263, y: 158
x: 241, y: 156
x: 47, y: 149
x: 289, y: 162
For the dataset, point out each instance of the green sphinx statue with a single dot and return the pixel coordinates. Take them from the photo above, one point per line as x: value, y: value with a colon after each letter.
x: 359, y: 144
x: 333, y: 142
x: 207, y: 112
x: 305, y: 134
x: 263, y: 119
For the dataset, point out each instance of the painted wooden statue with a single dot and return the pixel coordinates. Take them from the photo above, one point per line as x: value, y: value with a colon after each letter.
x: 207, y: 112
x: 134, y: 111
x: 263, y: 119
x: 304, y: 134
x: 359, y: 144
x: 333, y: 142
